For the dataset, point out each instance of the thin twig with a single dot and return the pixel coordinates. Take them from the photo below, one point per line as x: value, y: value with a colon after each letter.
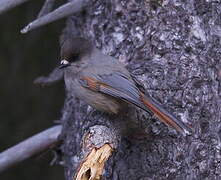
x: 46, y: 8
x: 59, y: 13
x: 6, y: 5
x: 29, y: 147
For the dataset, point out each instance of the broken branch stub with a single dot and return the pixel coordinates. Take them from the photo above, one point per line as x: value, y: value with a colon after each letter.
x: 93, y: 165
x: 97, y: 146
x: 55, y: 76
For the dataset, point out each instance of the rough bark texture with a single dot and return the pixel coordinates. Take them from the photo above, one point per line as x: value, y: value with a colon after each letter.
x: 173, y: 47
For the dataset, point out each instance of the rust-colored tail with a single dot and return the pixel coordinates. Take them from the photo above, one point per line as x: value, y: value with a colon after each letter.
x: 164, y: 115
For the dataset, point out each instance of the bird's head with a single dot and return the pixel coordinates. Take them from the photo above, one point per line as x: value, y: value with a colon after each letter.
x: 72, y: 50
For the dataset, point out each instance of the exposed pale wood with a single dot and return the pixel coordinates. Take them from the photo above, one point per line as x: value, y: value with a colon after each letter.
x: 92, y: 166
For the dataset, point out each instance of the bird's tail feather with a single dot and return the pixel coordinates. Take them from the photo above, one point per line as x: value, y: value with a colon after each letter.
x: 164, y: 115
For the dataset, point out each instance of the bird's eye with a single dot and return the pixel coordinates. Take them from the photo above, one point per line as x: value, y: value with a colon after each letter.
x: 64, y: 63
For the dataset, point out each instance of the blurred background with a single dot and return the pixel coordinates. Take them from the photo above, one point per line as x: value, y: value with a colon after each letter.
x: 26, y: 109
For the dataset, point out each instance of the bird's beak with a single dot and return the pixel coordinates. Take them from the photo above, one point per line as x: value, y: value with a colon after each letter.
x: 64, y: 63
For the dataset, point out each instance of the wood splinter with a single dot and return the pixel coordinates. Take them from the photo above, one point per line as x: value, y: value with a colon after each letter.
x: 98, y: 143
x: 92, y: 167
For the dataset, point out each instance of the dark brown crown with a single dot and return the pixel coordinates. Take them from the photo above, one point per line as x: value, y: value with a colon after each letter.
x: 74, y: 47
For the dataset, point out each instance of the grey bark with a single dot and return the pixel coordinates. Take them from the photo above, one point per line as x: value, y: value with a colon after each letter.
x: 173, y: 47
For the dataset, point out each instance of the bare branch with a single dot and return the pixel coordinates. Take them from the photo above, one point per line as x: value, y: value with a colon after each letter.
x: 47, y: 7
x: 29, y: 147
x: 98, y: 144
x: 55, y: 76
x: 6, y: 5
x: 59, y: 13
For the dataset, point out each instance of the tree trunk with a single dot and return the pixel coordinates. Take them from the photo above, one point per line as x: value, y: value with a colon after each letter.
x: 173, y: 47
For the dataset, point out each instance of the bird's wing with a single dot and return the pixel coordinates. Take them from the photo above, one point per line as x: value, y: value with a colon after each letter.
x: 116, y: 84
x: 121, y: 86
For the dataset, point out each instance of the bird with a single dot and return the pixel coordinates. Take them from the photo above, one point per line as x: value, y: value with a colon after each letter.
x: 104, y: 83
